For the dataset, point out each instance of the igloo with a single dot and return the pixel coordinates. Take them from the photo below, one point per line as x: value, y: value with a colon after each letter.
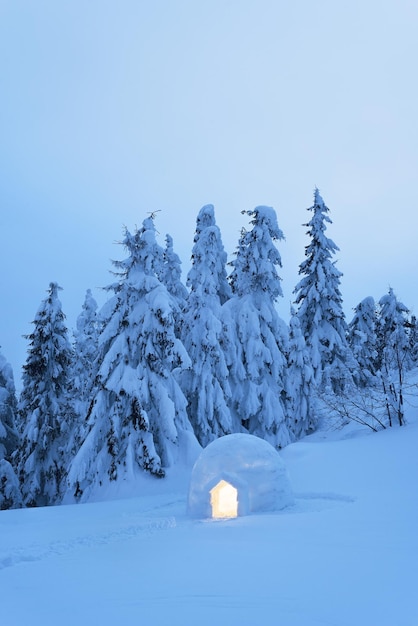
x: 236, y: 475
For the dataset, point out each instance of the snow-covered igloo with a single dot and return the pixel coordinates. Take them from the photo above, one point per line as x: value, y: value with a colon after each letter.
x: 237, y: 475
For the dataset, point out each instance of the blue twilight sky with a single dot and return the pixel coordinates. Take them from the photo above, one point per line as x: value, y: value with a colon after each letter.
x: 110, y: 110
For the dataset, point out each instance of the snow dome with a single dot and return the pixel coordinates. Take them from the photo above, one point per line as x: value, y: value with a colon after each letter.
x: 236, y: 475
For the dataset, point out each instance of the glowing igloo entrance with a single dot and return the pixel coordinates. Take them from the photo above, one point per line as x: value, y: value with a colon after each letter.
x: 224, y: 500
x: 236, y: 475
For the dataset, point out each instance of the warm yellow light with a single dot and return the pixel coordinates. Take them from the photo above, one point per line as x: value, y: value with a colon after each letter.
x: 224, y: 500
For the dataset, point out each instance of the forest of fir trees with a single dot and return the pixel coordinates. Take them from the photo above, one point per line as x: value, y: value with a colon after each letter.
x: 165, y: 367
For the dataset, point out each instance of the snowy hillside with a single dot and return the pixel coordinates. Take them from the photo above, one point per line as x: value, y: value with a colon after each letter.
x: 345, y: 554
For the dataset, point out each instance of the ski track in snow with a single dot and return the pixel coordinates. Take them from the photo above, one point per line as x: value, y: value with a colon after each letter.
x: 37, y: 552
x: 304, y: 503
x: 207, y: 600
x: 317, y: 502
x: 147, y: 526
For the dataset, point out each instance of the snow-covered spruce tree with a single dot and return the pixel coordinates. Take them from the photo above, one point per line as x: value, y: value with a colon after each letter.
x: 413, y: 339
x: 394, y: 357
x: 10, y: 495
x: 170, y: 276
x: 301, y: 396
x: 171, y: 273
x: 364, y: 403
x: 45, y: 405
x: 205, y: 382
x: 138, y: 420
x: 86, y: 337
x: 320, y: 309
x: 256, y: 338
x: 206, y: 219
x: 362, y: 340
x: 9, y: 437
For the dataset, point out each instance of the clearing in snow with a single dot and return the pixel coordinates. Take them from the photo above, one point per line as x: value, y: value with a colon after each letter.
x: 344, y: 554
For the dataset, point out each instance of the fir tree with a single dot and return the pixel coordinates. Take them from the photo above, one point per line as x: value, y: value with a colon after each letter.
x: 45, y: 406
x: 256, y: 337
x: 206, y: 220
x: 362, y: 340
x: 85, y: 348
x: 9, y: 437
x: 393, y: 354
x: 320, y: 309
x: 138, y: 418
x: 84, y: 371
x: 413, y: 339
x: 205, y: 383
x: 10, y: 496
x: 170, y: 276
x: 301, y: 393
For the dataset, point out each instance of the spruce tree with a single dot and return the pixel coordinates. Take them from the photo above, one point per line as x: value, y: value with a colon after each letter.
x: 256, y: 338
x: 171, y: 273
x: 394, y: 357
x: 320, y: 309
x: 45, y: 405
x: 85, y: 348
x: 84, y: 370
x: 9, y: 437
x: 413, y: 339
x: 170, y: 276
x: 301, y: 392
x: 138, y: 420
x: 362, y: 340
x: 10, y: 495
x: 206, y: 220
x: 205, y: 382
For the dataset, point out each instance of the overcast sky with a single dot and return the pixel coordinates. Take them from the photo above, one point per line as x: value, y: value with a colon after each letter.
x: 110, y: 110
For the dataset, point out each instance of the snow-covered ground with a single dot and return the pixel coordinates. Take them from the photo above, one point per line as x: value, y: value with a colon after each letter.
x: 346, y: 554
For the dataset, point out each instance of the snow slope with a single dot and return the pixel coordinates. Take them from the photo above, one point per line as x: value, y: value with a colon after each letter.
x: 344, y: 555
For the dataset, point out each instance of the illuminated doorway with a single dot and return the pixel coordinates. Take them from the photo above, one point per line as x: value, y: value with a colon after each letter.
x: 224, y: 500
